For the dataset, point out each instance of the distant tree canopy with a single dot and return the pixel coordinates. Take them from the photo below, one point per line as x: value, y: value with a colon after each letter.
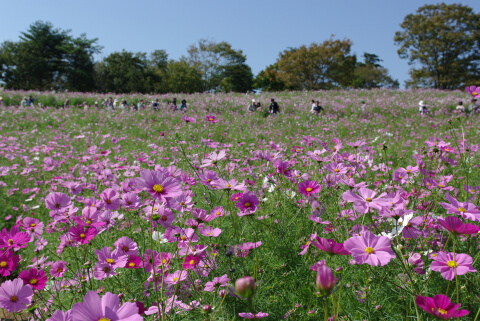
x: 370, y: 74
x: 46, y: 58
x: 319, y: 66
x: 443, y: 43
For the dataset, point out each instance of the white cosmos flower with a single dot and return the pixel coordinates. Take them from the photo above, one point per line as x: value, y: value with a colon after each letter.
x: 398, y: 228
x: 159, y: 237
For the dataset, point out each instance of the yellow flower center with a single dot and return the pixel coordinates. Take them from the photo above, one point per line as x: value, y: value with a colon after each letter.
x: 368, y: 199
x: 441, y: 186
x: 164, y: 261
x: 60, y: 270
x: 308, y: 242
x: 131, y: 264
x: 164, y: 218
x: 336, y: 170
x: 369, y: 250
x: 110, y: 261
x: 462, y: 209
x: 108, y: 201
x: 104, y: 319
x: 10, y: 242
x: 33, y: 225
x: 218, y: 213
x: 33, y: 281
x: 400, y: 176
x: 183, y: 238
x: 89, y: 222
x: 247, y: 204
x: 191, y: 262
x: 3, y: 264
x: 13, y: 298
x: 175, y: 279
x: 474, y: 93
x: 452, y: 264
x: 309, y: 189
x: 158, y: 188
x: 82, y: 236
x: 209, y: 180
x: 441, y: 311
x: 210, y: 119
x: 228, y: 185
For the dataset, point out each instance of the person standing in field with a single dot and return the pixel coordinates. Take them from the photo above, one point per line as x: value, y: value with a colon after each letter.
x: 155, y: 105
x: 314, y: 108
x: 422, y: 108
x: 66, y: 104
x: 174, y: 104
x: 319, y: 107
x: 140, y: 105
x: 274, y: 108
x: 1, y: 101
x: 252, y: 107
x: 460, y: 106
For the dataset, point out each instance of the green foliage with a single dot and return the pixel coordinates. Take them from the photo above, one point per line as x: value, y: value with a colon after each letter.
x: 370, y: 74
x: 269, y: 80
x: 444, y: 41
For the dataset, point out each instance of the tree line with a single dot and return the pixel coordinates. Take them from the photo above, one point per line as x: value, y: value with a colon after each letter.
x: 441, y: 42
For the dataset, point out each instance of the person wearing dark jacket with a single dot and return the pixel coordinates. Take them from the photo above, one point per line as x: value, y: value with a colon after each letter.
x: 274, y: 108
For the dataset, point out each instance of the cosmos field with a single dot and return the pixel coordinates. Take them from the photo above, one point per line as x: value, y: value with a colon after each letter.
x: 359, y: 213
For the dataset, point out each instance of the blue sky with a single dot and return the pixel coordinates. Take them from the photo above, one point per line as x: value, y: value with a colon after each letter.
x: 260, y: 28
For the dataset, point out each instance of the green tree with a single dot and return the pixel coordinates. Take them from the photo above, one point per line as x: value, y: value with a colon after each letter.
x: 370, y: 74
x: 122, y: 72
x: 46, y: 58
x: 442, y: 42
x: 269, y: 80
x: 183, y: 78
x: 220, y: 63
x: 318, y: 66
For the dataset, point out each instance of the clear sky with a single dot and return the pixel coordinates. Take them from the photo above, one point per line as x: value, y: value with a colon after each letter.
x: 261, y: 29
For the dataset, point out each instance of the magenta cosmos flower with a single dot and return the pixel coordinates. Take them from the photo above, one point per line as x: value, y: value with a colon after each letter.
x: 15, y: 240
x: 464, y: 209
x: 309, y: 187
x: 370, y: 249
x: 161, y: 186
x: 57, y: 201
x: 447, y: 263
x: 82, y: 235
x: 366, y: 200
x: 474, y: 91
x: 247, y: 204
x: 211, y: 119
x: 440, y: 307
x: 330, y: 246
x: 58, y: 268
x: 14, y: 296
x: 8, y: 262
x: 36, y: 278
x: 454, y: 225
x: 111, y: 199
x: 108, y: 308
x: 61, y: 316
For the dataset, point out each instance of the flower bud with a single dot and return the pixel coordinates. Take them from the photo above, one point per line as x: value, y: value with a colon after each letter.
x: 206, y: 308
x: 325, y: 280
x: 245, y: 286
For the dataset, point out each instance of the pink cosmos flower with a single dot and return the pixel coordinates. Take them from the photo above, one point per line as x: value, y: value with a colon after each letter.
x: 247, y: 204
x: 455, y: 225
x: 33, y: 227
x: 15, y: 240
x: 57, y: 201
x: 131, y: 200
x: 401, y: 175
x: 309, y: 187
x: 116, y: 259
x: 464, y: 209
x: 133, y: 262
x: 306, y: 246
x: 191, y: 261
x: 126, y: 246
x: 447, y: 263
x: 370, y: 249
x: 36, y: 279
x: 210, y: 231
x: 330, y: 246
x: 216, y: 283
x: 14, y: 296
x: 213, y: 158
x: 108, y: 308
x: 58, y: 268
x: 159, y: 185
x: 82, y: 235
x: 440, y: 307
x: 177, y: 276
x: 258, y: 315
x: 111, y: 199
x: 61, y: 316
x: 366, y: 200
x: 188, y: 119
x: 473, y: 90
x: 8, y: 262
x: 283, y: 168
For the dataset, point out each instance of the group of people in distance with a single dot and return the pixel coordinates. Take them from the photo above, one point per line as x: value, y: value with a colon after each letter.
x: 255, y: 105
x: 141, y: 105
x: 474, y: 107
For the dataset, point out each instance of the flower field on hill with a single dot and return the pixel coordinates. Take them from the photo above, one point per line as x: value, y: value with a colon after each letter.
x: 358, y: 213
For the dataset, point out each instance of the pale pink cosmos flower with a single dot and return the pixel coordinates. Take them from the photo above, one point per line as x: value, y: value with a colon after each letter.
x: 366, y: 200
x: 210, y: 231
x: 216, y: 283
x: 174, y: 278
x: 108, y: 308
x: 159, y: 184
x: 14, y: 296
x: 447, y: 263
x: 213, y: 159
x: 247, y: 204
x: 464, y: 209
x: 111, y: 199
x: 370, y: 249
